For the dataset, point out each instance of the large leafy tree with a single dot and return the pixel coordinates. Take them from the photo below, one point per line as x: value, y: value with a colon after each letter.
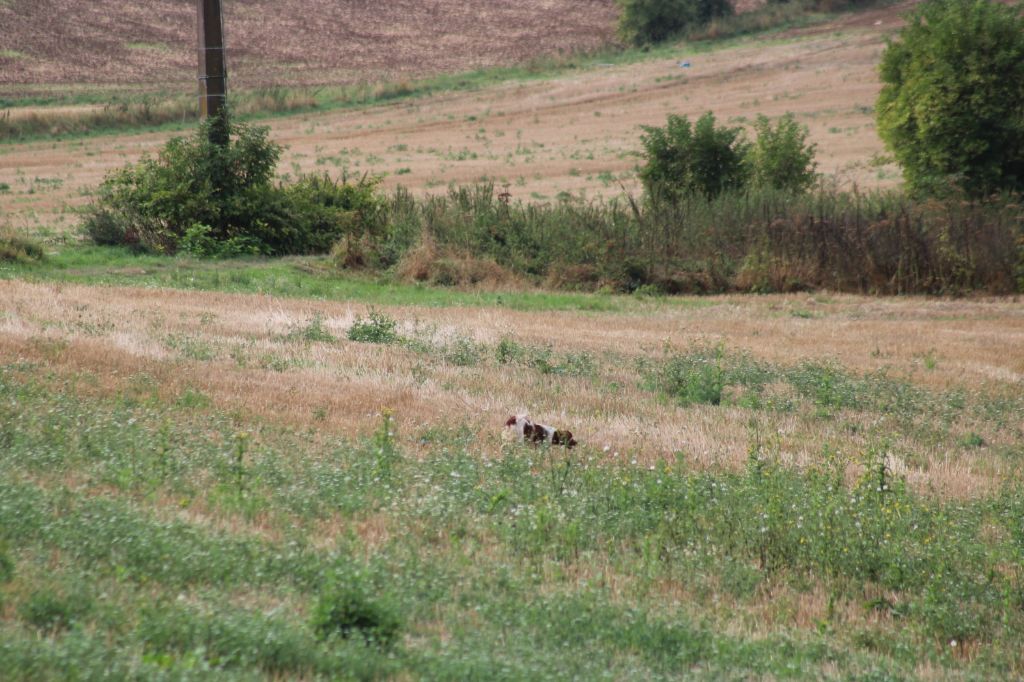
x: 952, y: 103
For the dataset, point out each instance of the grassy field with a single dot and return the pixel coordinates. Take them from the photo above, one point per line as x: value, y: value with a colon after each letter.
x: 795, y: 487
x: 261, y: 469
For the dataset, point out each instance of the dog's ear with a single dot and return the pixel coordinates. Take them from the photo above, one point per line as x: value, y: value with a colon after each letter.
x: 511, y: 421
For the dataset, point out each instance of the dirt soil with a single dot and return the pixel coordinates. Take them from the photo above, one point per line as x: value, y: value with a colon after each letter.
x: 578, y: 133
x: 287, y: 41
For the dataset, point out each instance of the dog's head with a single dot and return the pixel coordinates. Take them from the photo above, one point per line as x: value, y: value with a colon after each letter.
x: 563, y: 437
x: 512, y: 421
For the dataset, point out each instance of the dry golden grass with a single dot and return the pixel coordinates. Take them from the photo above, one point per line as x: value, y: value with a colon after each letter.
x: 242, y: 352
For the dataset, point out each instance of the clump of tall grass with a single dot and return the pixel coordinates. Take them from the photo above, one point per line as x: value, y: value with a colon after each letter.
x: 347, y: 610
x: 712, y: 376
x: 377, y: 327
x: 755, y: 240
x: 19, y: 249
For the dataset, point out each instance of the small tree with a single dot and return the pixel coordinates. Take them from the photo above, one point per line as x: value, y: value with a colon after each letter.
x: 206, y: 197
x: 652, y: 21
x: 781, y: 158
x: 951, y: 108
x: 215, y: 193
x: 702, y: 158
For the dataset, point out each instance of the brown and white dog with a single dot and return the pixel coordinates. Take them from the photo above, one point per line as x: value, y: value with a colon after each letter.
x: 521, y: 429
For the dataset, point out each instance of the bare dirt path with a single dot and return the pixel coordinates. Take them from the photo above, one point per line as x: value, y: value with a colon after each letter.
x: 577, y: 133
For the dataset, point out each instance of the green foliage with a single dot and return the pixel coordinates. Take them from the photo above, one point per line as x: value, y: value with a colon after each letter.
x: 313, y: 331
x: 508, y: 351
x: 6, y: 565
x: 463, y: 352
x: 709, y: 375
x: 652, y: 21
x: 376, y: 328
x: 702, y: 375
x: 703, y: 158
x: 347, y: 609
x: 328, y: 210
x: 951, y: 101
x: 489, y: 551
x: 18, y: 249
x: 781, y: 157
x: 707, y: 160
x: 193, y: 181
x: 756, y: 238
x: 199, y: 241
x: 697, y: 379
x: 219, y: 200
x: 191, y: 347
x: 228, y: 639
x: 52, y: 609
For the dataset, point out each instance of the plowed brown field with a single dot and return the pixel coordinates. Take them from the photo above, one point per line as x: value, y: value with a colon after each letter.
x: 273, y: 41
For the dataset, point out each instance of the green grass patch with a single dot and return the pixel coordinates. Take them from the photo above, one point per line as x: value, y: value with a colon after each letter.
x: 200, y: 541
x: 293, y: 278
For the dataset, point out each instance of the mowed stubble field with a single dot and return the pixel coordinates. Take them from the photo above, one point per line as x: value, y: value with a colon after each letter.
x: 577, y: 133
x: 596, y: 373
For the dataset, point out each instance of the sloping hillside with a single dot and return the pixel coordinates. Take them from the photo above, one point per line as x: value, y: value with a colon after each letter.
x: 147, y: 42
x: 577, y: 132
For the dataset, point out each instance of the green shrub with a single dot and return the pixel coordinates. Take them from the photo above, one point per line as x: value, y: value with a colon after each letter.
x: 19, y: 249
x: 193, y: 182
x: 463, y: 352
x: 199, y: 241
x: 346, y: 609
x: 6, y: 564
x: 951, y: 100
x: 212, y: 200
x: 706, y: 159
x: 780, y: 157
x: 376, y: 328
x: 652, y: 21
x: 703, y: 158
x: 751, y: 239
x: 48, y: 609
x: 508, y: 351
x: 313, y: 331
x: 327, y: 210
x: 695, y: 378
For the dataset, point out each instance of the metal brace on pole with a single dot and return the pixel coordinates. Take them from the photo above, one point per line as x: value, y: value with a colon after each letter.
x: 213, y: 77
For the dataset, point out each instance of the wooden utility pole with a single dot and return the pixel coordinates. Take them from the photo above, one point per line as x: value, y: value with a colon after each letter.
x: 213, y: 74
